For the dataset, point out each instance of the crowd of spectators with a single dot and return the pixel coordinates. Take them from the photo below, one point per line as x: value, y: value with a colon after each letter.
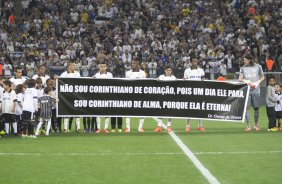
x: 157, y: 33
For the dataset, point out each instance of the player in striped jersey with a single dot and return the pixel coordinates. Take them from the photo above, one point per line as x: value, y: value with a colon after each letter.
x: 167, y: 76
x: 29, y: 108
x: 103, y: 74
x: 8, y: 103
x: 194, y: 73
x: 45, y: 104
x: 56, y: 122
x: 71, y: 73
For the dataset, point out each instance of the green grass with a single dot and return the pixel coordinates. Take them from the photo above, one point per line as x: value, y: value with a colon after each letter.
x: 145, y: 158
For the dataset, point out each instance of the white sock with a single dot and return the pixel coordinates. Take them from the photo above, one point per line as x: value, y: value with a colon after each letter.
x: 77, y: 122
x: 15, y: 127
x: 159, y: 121
x: 107, y: 120
x: 169, y: 122
x: 38, y: 127
x: 48, y: 126
x: 127, y: 122
x: 66, y: 123
x: 187, y: 122
x: 98, y: 123
x: 200, y: 123
x: 7, y: 128
x: 141, y: 122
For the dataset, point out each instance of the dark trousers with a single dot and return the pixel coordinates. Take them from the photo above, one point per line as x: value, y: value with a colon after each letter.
x: 271, y: 117
x: 117, y: 120
x: 94, y: 123
x: 56, y: 122
x: 86, y: 123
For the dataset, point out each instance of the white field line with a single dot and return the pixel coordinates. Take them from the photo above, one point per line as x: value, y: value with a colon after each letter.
x: 85, y: 154
x: 237, y: 152
x: 134, y: 154
x: 204, y: 171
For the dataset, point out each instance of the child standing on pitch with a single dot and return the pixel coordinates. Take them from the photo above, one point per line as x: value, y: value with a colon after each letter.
x: 29, y: 108
x: 45, y: 105
x: 19, y: 106
x: 278, y: 106
x: 271, y: 101
x: 8, y: 102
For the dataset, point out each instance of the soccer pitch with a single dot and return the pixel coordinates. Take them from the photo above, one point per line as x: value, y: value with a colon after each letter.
x: 229, y: 153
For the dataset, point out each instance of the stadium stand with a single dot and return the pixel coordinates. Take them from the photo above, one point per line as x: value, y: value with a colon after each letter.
x: 158, y: 33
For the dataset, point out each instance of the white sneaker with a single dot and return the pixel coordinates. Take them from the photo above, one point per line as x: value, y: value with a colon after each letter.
x: 24, y: 136
x: 33, y: 137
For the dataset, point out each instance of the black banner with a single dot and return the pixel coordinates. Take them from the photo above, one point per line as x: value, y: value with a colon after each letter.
x: 81, y: 97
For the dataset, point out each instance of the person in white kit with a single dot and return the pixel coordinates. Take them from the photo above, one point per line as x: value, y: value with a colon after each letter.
x: 103, y: 74
x: 8, y: 105
x: 135, y: 73
x: 194, y: 73
x: 70, y: 72
x: 41, y: 74
x: 18, y: 78
x: 278, y: 106
x: 29, y: 108
x: 167, y: 76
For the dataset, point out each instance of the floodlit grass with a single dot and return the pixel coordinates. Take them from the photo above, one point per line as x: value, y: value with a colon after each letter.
x: 229, y: 153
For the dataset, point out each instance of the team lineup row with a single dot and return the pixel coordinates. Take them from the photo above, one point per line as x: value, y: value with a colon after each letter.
x: 16, y: 105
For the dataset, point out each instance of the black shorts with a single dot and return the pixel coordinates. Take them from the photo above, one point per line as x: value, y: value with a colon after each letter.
x: 278, y: 114
x: 8, y: 118
x: 27, y: 115
x: 18, y: 117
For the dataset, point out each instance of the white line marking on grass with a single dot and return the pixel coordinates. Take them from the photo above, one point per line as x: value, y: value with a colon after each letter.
x: 237, y: 152
x: 84, y: 154
x: 134, y: 154
x: 205, y: 172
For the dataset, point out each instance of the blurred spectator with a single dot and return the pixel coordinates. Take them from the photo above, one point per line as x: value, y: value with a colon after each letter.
x: 152, y: 67
x: 269, y: 63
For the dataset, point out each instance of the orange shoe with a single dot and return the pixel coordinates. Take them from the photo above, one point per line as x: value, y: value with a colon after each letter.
x: 158, y: 129
x: 257, y: 128
x: 187, y: 129
x: 106, y: 131
x: 127, y: 130
x: 201, y: 129
x: 98, y: 131
x: 247, y: 129
x: 168, y: 129
x: 141, y: 130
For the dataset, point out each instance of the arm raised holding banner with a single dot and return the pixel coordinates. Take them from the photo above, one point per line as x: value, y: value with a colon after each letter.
x: 70, y: 72
x: 103, y: 74
x: 167, y: 76
x: 194, y: 73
